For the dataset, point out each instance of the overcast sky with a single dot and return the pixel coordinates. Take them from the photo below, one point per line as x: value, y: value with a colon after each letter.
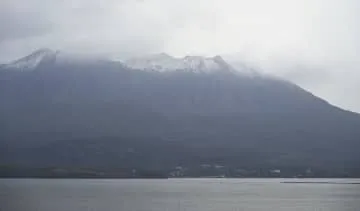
x: 314, y: 43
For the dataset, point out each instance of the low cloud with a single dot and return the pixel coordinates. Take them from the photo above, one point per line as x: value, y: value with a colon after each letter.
x: 316, y: 40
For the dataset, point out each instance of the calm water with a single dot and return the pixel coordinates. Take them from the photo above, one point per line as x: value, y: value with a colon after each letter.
x: 176, y: 195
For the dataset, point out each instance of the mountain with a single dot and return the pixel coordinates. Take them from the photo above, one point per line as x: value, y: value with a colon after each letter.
x: 160, y: 112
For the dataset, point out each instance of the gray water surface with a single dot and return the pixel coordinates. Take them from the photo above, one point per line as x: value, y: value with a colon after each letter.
x: 177, y: 195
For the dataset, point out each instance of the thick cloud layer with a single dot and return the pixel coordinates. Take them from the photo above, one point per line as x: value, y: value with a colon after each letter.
x: 314, y: 43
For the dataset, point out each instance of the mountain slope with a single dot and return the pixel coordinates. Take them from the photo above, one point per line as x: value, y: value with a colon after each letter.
x: 223, y: 117
x: 33, y: 60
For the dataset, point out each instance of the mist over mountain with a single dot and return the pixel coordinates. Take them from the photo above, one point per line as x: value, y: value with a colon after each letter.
x: 158, y: 112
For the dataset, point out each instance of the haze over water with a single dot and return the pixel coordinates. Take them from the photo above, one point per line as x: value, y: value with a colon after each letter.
x: 178, y: 194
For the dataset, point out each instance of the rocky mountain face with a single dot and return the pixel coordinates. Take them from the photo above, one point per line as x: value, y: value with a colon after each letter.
x: 59, y: 110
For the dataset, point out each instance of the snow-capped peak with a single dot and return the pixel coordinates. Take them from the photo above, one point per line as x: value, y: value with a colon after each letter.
x: 33, y: 60
x: 163, y: 63
x: 48, y: 56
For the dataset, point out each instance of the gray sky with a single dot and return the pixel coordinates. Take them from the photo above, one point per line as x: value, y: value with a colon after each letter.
x: 314, y: 43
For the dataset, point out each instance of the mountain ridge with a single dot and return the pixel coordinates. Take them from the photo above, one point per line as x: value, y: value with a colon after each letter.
x: 161, y: 62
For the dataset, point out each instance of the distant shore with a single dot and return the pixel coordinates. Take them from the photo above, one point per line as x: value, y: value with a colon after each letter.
x: 329, y: 182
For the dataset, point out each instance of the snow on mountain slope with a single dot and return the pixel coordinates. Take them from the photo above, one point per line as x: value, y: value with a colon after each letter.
x: 33, y: 60
x: 156, y: 62
x: 165, y: 63
x: 48, y: 56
